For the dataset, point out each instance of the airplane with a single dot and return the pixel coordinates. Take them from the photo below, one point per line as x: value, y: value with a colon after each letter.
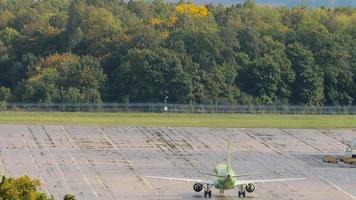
x: 225, y: 179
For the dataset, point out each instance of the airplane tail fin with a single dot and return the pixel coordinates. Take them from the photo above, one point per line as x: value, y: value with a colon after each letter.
x: 228, y: 160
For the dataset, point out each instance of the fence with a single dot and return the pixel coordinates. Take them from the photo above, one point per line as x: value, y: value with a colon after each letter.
x: 179, y: 108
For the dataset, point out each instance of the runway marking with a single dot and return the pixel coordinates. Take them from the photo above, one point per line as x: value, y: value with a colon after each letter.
x: 84, y: 176
x: 145, y: 182
x: 98, y: 178
x: 301, y: 140
x: 335, y: 186
x: 36, y: 166
x: 72, y: 143
x: 249, y: 133
x: 56, y: 164
x: 51, y: 156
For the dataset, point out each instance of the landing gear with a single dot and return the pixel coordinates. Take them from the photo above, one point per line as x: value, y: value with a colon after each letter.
x: 242, y: 194
x: 207, y: 192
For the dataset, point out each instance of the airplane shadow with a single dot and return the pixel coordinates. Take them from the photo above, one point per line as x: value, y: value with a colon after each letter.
x: 220, y: 197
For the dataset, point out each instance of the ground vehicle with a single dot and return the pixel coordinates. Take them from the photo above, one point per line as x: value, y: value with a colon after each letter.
x: 351, y: 151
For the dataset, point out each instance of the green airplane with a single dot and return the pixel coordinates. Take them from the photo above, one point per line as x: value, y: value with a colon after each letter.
x: 225, y: 179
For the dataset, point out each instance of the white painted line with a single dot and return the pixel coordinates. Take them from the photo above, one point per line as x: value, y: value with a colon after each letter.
x: 98, y: 179
x: 68, y: 188
x: 36, y: 166
x: 84, y: 176
x: 57, y: 165
x: 249, y: 133
x: 336, y: 187
x: 101, y: 130
x: 72, y: 143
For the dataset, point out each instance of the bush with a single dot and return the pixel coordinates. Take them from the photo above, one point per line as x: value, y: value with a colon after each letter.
x: 24, y: 188
x: 5, y: 94
x: 3, y: 105
x: 69, y: 197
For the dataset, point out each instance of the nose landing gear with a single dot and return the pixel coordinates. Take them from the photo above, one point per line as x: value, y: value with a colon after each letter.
x: 242, y: 192
x: 207, y: 192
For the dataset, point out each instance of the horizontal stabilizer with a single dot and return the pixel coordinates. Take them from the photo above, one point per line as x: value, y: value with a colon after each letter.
x: 235, y: 176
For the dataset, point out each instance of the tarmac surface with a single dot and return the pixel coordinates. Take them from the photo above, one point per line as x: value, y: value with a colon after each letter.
x: 110, y: 163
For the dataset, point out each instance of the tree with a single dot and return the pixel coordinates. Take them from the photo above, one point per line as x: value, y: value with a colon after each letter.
x: 150, y: 75
x: 24, y: 188
x: 65, y: 78
x: 69, y: 197
x: 63, y: 51
x: 100, y: 28
x: 5, y: 94
x: 268, y: 78
x: 308, y: 87
x: 21, y: 188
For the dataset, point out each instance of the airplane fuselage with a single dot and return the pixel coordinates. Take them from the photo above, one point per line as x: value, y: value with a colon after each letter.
x: 225, y: 182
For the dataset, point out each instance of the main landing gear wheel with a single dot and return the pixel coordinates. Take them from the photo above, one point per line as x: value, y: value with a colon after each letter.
x: 207, y: 194
x: 242, y: 194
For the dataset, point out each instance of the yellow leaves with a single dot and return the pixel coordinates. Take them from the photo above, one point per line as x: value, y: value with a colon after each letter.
x: 5, y: 18
x: 45, y: 74
x: 192, y: 9
x: 101, y: 23
x: 50, y: 31
x: 353, y: 19
x: 343, y: 20
x: 155, y: 21
x: 172, y: 21
x: 164, y: 34
x: 58, y: 60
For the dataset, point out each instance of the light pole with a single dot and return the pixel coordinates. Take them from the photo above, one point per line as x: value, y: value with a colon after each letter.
x: 165, y: 104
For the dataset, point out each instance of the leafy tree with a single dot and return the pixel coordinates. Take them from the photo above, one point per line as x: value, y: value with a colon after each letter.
x: 308, y: 86
x: 63, y: 51
x: 268, y: 78
x: 65, y: 78
x: 21, y: 188
x: 148, y: 75
x: 5, y: 94
x: 69, y: 197
x: 100, y: 28
x: 24, y: 188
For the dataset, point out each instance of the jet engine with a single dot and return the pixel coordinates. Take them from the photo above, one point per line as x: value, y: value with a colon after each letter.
x: 250, y: 188
x: 198, y: 187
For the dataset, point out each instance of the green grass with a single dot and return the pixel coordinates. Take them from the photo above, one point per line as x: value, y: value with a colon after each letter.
x: 188, y: 120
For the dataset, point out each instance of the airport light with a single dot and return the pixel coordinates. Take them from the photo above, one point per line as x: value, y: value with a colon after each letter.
x: 165, y: 104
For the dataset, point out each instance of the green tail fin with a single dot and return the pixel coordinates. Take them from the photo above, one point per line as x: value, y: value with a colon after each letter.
x: 228, y: 164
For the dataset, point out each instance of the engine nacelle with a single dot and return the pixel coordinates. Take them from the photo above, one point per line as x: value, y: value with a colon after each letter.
x: 198, y: 187
x: 250, y: 188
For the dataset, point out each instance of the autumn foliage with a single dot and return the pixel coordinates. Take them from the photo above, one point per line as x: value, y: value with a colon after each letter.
x: 192, y: 9
x: 81, y: 51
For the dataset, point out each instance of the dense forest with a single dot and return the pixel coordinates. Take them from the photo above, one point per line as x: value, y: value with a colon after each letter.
x: 290, y: 3
x: 75, y: 51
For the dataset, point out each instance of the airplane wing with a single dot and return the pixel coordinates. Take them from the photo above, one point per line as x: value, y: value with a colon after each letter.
x: 244, y: 182
x: 210, y: 182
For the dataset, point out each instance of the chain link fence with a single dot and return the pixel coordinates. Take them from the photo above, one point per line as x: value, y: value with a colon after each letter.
x: 177, y: 108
